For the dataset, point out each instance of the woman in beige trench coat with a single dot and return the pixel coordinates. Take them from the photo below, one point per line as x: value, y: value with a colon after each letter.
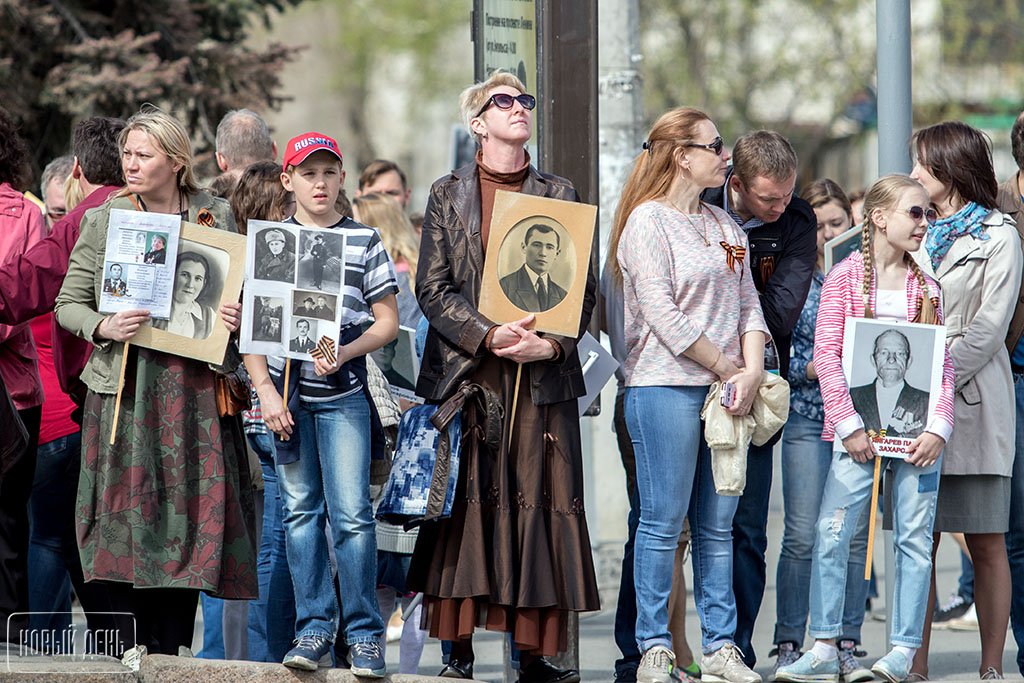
x: 974, y: 252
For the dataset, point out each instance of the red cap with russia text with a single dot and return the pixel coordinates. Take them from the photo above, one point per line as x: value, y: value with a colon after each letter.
x: 301, y: 146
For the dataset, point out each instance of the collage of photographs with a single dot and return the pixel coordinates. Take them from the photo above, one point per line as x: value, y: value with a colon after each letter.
x: 293, y: 292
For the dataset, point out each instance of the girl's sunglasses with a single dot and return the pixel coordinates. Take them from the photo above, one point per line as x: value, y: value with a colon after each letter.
x: 716, y: 145
x: 919, y: 212
x: 505, y: 101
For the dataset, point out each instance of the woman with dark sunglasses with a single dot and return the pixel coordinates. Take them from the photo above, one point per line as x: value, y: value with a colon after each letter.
x: 974, y: 252
x: 692, y: 319
x: 515, y: 554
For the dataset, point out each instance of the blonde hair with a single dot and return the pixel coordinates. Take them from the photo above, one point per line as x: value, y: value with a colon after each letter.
x: 73, y: 194
x: 474, y: 97
x: 885, y: 194
x: 396, y: 231
x: 653, y: 170
x: 170, y: 137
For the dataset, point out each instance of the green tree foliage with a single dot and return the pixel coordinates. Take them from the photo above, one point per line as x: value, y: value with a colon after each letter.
x: 65, y: 59
x: 372, y: 41
x: 748, y: 62
x: 982, y: 32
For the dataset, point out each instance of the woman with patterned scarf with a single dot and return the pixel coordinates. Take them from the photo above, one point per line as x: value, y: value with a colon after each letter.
x: 975, y: 254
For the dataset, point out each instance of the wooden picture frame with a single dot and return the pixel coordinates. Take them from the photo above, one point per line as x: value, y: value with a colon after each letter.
x: 561, y: 236
x: 225, y: 254
x: 838, y: 248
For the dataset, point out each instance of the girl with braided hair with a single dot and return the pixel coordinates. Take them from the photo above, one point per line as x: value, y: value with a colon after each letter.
x: 882, y: 281
x: 806, y: 460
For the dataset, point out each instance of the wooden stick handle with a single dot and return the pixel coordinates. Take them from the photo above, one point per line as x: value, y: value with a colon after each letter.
x: 287, y: 376
x: 515, y: 402
x: 872, y: 516
x: 120, y: 390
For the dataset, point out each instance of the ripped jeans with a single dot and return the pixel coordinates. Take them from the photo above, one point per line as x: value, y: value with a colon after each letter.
x: 847, y: 494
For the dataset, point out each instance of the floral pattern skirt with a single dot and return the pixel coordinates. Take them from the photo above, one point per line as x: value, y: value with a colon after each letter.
x: 170, y: 503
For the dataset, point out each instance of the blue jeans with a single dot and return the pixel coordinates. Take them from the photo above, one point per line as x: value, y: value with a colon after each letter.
x: 332, y: 477
x: 673, y: 467
x: 965, y: 586
x: 52, y: 509
x: 213, y: 627
x: 272, y: 615
x: 1015, y: 536
x: 847, y: 494
x: 806, y: 460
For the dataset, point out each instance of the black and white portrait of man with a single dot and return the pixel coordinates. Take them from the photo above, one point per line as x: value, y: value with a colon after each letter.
x: 531, y: 287
x: 889, y: 401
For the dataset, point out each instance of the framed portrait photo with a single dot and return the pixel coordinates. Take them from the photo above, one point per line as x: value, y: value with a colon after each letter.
x: 838, y: 248
x: 400, y: 364
x: 894, y: 372
x: 209, y: 268
x: 538, y: 256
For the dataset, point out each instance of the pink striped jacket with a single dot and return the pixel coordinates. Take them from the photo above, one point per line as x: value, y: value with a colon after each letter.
x: 842, y: 296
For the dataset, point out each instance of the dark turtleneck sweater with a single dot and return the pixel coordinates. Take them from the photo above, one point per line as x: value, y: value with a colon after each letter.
x: 490, y: 181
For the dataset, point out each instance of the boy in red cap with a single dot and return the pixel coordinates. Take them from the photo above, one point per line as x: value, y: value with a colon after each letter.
x: 329, y: 426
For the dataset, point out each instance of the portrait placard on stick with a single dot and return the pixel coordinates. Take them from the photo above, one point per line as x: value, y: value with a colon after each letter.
x: 138, y: 265
x: 538, y: 256
x: 206, y: 273
x: 894, y: 372
x: 838, y: 248
x: 292, y: 305
x: 400, y: 364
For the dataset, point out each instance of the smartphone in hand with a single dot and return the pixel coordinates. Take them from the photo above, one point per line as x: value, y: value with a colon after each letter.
x: 728, y: 394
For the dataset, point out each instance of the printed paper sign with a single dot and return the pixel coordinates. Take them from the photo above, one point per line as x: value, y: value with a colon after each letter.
x: 139, y: 264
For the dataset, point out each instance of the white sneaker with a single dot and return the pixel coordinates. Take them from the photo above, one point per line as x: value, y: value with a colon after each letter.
x: 658, y: 665
x: 968, y: 622
x: 727, y: 666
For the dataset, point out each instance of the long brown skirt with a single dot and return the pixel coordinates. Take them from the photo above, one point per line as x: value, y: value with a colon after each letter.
x: 515, y: 554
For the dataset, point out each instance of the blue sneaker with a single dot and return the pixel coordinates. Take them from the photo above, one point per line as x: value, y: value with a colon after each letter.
x: 810, y: 669
x: 367, y: 660
x: 310, y: 653
x: 894, y: 667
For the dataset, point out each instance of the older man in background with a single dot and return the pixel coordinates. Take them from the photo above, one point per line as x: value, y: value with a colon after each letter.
x: 243, y: 138
x: 51, y: 188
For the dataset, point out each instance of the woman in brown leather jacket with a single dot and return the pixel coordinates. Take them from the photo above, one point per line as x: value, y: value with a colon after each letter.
x: 515, y: 554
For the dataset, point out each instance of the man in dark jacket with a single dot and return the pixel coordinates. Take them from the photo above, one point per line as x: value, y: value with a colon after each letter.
x: 758, y: 194
x: 1011, y: 202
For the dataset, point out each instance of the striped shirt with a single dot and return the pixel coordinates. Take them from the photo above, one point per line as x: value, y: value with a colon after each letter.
x: 252, y: 419
x: 369, y: 276
x: 676, y: 289
x: 842, y: 297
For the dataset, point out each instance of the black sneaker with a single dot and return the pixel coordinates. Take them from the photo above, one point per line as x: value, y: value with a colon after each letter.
x: 954, y: 608
x: 310, y: 653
